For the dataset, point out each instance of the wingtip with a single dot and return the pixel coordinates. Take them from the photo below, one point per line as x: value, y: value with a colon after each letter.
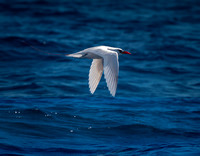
x: 113, y: 94
x: 92, y: 91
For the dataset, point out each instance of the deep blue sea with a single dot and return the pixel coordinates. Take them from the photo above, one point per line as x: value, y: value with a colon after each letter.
x: 45, y: 104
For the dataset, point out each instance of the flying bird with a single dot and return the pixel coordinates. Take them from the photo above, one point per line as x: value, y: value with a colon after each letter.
x: 105, y: 59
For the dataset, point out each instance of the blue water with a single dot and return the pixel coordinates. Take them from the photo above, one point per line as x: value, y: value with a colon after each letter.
x: 45, y: 104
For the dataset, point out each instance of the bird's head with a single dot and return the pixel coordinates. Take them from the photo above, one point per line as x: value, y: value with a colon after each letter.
x: 119, y: 50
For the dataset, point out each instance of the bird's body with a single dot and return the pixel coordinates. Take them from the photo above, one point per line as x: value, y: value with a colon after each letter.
x: 105, y: 59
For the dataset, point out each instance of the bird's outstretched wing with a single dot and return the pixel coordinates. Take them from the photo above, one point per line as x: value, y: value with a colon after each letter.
x: 111, y: 70
x: 95, y: 74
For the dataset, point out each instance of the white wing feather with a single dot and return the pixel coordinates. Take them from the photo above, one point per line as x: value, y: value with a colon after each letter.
x: 95, y: 74
x: 111, y: 70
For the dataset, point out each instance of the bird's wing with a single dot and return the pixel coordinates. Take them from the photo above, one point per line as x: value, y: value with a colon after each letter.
x: 95, y: 74
x: 111, y: 70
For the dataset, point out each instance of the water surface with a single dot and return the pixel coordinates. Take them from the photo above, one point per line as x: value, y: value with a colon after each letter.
x: 45, y: 104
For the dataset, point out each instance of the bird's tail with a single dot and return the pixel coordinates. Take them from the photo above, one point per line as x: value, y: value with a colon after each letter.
x: 76, y: 55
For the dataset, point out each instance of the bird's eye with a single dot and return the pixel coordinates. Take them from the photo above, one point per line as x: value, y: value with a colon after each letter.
x: 120, y: 51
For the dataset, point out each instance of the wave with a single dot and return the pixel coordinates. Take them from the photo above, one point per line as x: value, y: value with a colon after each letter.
x: 19, y: 151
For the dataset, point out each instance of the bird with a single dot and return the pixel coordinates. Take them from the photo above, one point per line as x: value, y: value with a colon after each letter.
x: 105, y: 59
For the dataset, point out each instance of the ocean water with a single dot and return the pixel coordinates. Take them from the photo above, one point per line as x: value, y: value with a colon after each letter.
x: 45, y: 104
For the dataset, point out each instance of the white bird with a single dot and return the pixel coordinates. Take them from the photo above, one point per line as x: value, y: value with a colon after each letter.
x: 105, y: 59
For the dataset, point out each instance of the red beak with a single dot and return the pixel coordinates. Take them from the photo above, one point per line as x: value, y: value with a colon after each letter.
x: 125, y: 52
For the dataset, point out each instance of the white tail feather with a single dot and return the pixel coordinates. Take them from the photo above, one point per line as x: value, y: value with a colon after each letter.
x: 75, y: 55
